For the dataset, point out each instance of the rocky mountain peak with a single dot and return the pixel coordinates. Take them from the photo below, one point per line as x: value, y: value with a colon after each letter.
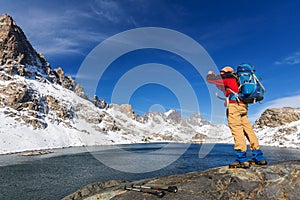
x: 274, y: 117
x: 197, y: 118
x: 174, y: 116
x: 5, y: 18
x: 23, y: 72
x: 18, y: 57
x: 15, y: 46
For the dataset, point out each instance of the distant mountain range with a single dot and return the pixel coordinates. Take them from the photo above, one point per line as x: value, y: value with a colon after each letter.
x: 42, y: 108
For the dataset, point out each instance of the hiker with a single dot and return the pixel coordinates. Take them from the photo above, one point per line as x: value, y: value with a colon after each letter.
x: 238, y: 121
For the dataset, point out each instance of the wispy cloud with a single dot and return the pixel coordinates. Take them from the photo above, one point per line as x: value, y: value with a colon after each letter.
x: 291, y: 101
x: 70, y: 28
x: 64, y: 23
x: 115, y: 12
x: 54, y: 34
x: 290, y: 60
x: 70, y: 42
x: 108, y: 10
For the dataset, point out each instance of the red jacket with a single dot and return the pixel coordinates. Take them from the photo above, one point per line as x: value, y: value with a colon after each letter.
x: 224, y: 82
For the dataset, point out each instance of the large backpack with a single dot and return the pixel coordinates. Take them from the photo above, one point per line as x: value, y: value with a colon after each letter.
x: 251, y: 89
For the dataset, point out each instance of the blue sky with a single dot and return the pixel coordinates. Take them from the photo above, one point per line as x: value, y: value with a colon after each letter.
x: 264, y: 33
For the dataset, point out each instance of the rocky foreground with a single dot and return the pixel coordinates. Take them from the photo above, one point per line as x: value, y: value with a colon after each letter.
x: 274, y: 181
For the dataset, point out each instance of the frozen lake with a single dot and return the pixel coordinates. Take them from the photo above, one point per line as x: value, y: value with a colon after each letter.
x: 56, y: 175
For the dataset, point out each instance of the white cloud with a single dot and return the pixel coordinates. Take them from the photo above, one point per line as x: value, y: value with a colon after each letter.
x: 291, y: 101
x: 290, y: 60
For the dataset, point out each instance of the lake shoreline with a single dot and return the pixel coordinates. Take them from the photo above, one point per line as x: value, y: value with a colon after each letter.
x: 43, y: 151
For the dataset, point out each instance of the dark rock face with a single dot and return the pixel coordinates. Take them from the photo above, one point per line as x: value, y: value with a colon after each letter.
x: 275, y: 181
x: 18, y: 58
x: 14, y: 44
x: 16, y: 52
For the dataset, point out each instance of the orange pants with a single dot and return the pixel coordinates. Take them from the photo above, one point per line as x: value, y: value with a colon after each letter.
x: 240, y: 127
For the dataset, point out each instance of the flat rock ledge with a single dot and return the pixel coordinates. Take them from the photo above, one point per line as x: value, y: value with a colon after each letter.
x: 35, y: 153
x: 275, y: 181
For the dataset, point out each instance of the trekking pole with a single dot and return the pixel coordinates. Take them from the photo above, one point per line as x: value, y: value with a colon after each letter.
x: 219, y: 97
x: 173, y: 189
x: 157, y: 193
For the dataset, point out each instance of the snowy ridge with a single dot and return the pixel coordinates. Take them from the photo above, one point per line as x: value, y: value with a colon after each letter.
x: 282, y: 136
x: 117, y: 124
x: 85, y: 123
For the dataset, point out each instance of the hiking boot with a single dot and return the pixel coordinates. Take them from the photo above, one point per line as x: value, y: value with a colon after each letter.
x: 262, y: 162
x: 258, y: 158
x: 237, y: 164
x: 245, y: 164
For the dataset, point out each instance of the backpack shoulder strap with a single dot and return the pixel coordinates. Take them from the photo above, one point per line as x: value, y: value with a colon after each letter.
x: 258, y: 81
x: 235, y: 94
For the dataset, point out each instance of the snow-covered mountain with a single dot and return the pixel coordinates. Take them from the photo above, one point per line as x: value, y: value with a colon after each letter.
x: 279, y: 127
x: 41, y: 108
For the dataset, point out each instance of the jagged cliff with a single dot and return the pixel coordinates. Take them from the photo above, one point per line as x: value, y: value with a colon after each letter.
x: 18, y: 57
x: 16, y: 48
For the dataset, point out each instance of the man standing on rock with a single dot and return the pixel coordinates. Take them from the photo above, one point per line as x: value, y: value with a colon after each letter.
x: 238, y: 121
